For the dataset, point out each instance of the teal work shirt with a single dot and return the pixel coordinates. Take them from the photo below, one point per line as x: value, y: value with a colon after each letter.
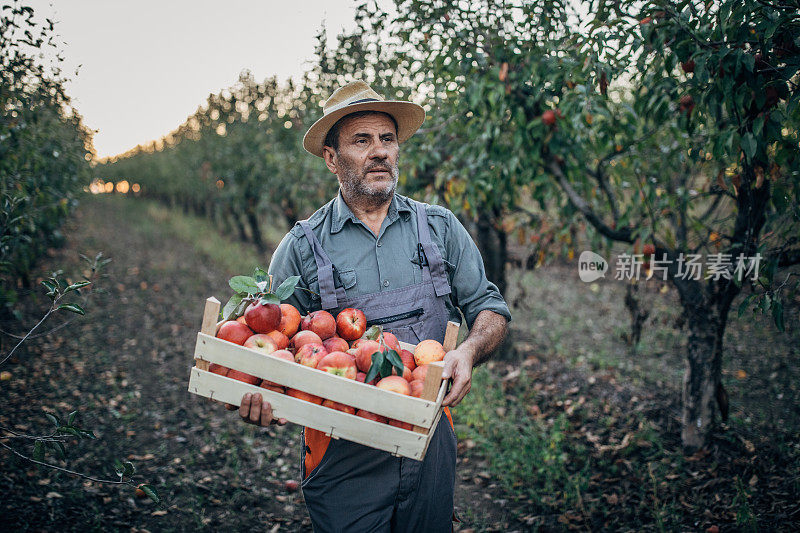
x: 367, y: 264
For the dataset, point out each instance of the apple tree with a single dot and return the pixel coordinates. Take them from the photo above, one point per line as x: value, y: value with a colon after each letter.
x: 674, y: 125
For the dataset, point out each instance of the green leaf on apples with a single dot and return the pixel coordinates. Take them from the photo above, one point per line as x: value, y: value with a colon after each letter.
x: 373, y: 333
x: 377, y: 363
x: 394, y: 358
x: 231, y: 307
x: 270, y: 298
x: 260, y: 275
x: 287, y: 288
x: 244, y: 284
x: 76, y: 286
x: 386, y: 368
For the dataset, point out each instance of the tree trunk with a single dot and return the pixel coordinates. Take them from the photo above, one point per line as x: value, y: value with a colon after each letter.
x: 493, y: 246
x: 237, y: 222
x: 707, y: 317
x: 252, y: 221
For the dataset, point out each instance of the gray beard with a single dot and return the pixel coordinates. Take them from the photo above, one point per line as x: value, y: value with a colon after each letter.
x: 354, y: 187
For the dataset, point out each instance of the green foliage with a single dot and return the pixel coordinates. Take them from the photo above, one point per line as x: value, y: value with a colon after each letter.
x: 257, y: 288
x: 44, y: 149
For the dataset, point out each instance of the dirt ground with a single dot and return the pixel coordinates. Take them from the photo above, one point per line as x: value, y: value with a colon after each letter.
x: 125, y: 368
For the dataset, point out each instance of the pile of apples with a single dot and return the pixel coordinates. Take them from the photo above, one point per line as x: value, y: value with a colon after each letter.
x: 335, y: 345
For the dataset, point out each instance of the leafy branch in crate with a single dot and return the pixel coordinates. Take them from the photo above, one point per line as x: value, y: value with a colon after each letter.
x: 382, y: 361
x: 249, y: 289
x: 59, y: 290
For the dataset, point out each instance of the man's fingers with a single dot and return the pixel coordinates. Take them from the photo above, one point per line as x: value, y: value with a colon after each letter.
x: 266, y: 414
x: 462, y: 379
x: 282, y: 421
x: 447, y: 371
x: 255, y: 408
x: 244, y: 408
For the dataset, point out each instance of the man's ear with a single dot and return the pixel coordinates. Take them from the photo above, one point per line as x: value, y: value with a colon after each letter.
x: 329, y: 154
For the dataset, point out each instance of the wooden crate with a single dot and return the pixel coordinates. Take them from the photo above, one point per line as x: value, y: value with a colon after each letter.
x: 423, y: 413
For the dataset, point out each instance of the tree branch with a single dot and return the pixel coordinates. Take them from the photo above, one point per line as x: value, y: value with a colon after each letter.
x: 60, y: 469
x: 621, y: 235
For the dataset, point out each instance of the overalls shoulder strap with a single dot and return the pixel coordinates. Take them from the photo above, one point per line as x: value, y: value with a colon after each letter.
x: 327, y: 290
x: 435, y: 262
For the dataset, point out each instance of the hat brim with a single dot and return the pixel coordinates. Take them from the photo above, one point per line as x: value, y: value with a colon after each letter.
x: 409, y: 117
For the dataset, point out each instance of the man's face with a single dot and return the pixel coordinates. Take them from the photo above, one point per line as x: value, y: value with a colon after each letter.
x: 367, y: 160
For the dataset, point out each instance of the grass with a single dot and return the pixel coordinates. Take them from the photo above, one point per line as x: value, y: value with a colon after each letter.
x: 154, y: 219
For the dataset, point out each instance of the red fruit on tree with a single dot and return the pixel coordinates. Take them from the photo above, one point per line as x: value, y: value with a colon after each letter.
x: 549, y: 117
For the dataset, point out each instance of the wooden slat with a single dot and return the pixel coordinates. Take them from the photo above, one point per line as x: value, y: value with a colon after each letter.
x: 347, y: 391
x: 334, y: 423
x: 209, y: 327
x: 451, y: 336
x: 430, y: 389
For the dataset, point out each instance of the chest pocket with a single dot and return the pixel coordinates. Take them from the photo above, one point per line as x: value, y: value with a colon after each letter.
x: 345, y: 278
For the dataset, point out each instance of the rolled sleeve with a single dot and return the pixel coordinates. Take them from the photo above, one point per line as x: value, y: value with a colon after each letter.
x: 472, y: 292
x: 287, y: 262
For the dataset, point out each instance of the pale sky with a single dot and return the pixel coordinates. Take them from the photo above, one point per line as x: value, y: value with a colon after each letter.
x: 147, y: 65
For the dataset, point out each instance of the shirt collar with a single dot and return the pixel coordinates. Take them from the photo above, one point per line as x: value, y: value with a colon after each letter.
x: 342, y: 213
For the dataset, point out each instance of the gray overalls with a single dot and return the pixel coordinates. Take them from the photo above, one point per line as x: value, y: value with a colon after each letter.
x: 357, y: 488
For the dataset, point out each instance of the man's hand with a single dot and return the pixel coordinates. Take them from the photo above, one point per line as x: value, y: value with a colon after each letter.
x: 254, y: 410
x: 458, y: 365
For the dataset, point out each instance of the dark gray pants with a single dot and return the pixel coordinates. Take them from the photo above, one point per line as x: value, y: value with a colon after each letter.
x: 356, y: 488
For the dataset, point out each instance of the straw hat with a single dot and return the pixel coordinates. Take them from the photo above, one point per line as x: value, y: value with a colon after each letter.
x: 358, y: 96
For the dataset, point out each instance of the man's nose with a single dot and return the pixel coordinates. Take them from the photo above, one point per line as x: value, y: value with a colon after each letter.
x: 379, y: 151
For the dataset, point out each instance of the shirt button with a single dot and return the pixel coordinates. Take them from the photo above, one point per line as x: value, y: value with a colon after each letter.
x: 379, y: 244
x: 386, y: 283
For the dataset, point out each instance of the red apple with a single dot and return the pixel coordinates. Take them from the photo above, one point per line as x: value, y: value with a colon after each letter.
x: 365, y: 351
x: 395, y: 384
x: 339, y: 407
x: 428, y: 351
x: 320, y: 322
x: 356, y: 343
x: 371, y: 416
x: 402, y: 425
x: 274, y: 387
x: 310, y: 354
x: 416, y: 388
x: 419, y: 373
x: 234, y: 332
x: 408, y: 360
x: 241, y: 376
x: 222, y: 370
x: 336, y: 344
x: 294, y: 393
x: 406, y: 373
x: 263, y: 318
x: 391, y: 341
x: 305, y: 337
x: 281, y: 340
x: 290, y: 320
x: 261, y: 342
x: 283, y: 354
x: 351, y: 323
x: 340, y: 364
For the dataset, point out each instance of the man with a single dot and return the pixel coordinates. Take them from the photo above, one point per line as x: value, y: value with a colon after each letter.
x: 410, y: 267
